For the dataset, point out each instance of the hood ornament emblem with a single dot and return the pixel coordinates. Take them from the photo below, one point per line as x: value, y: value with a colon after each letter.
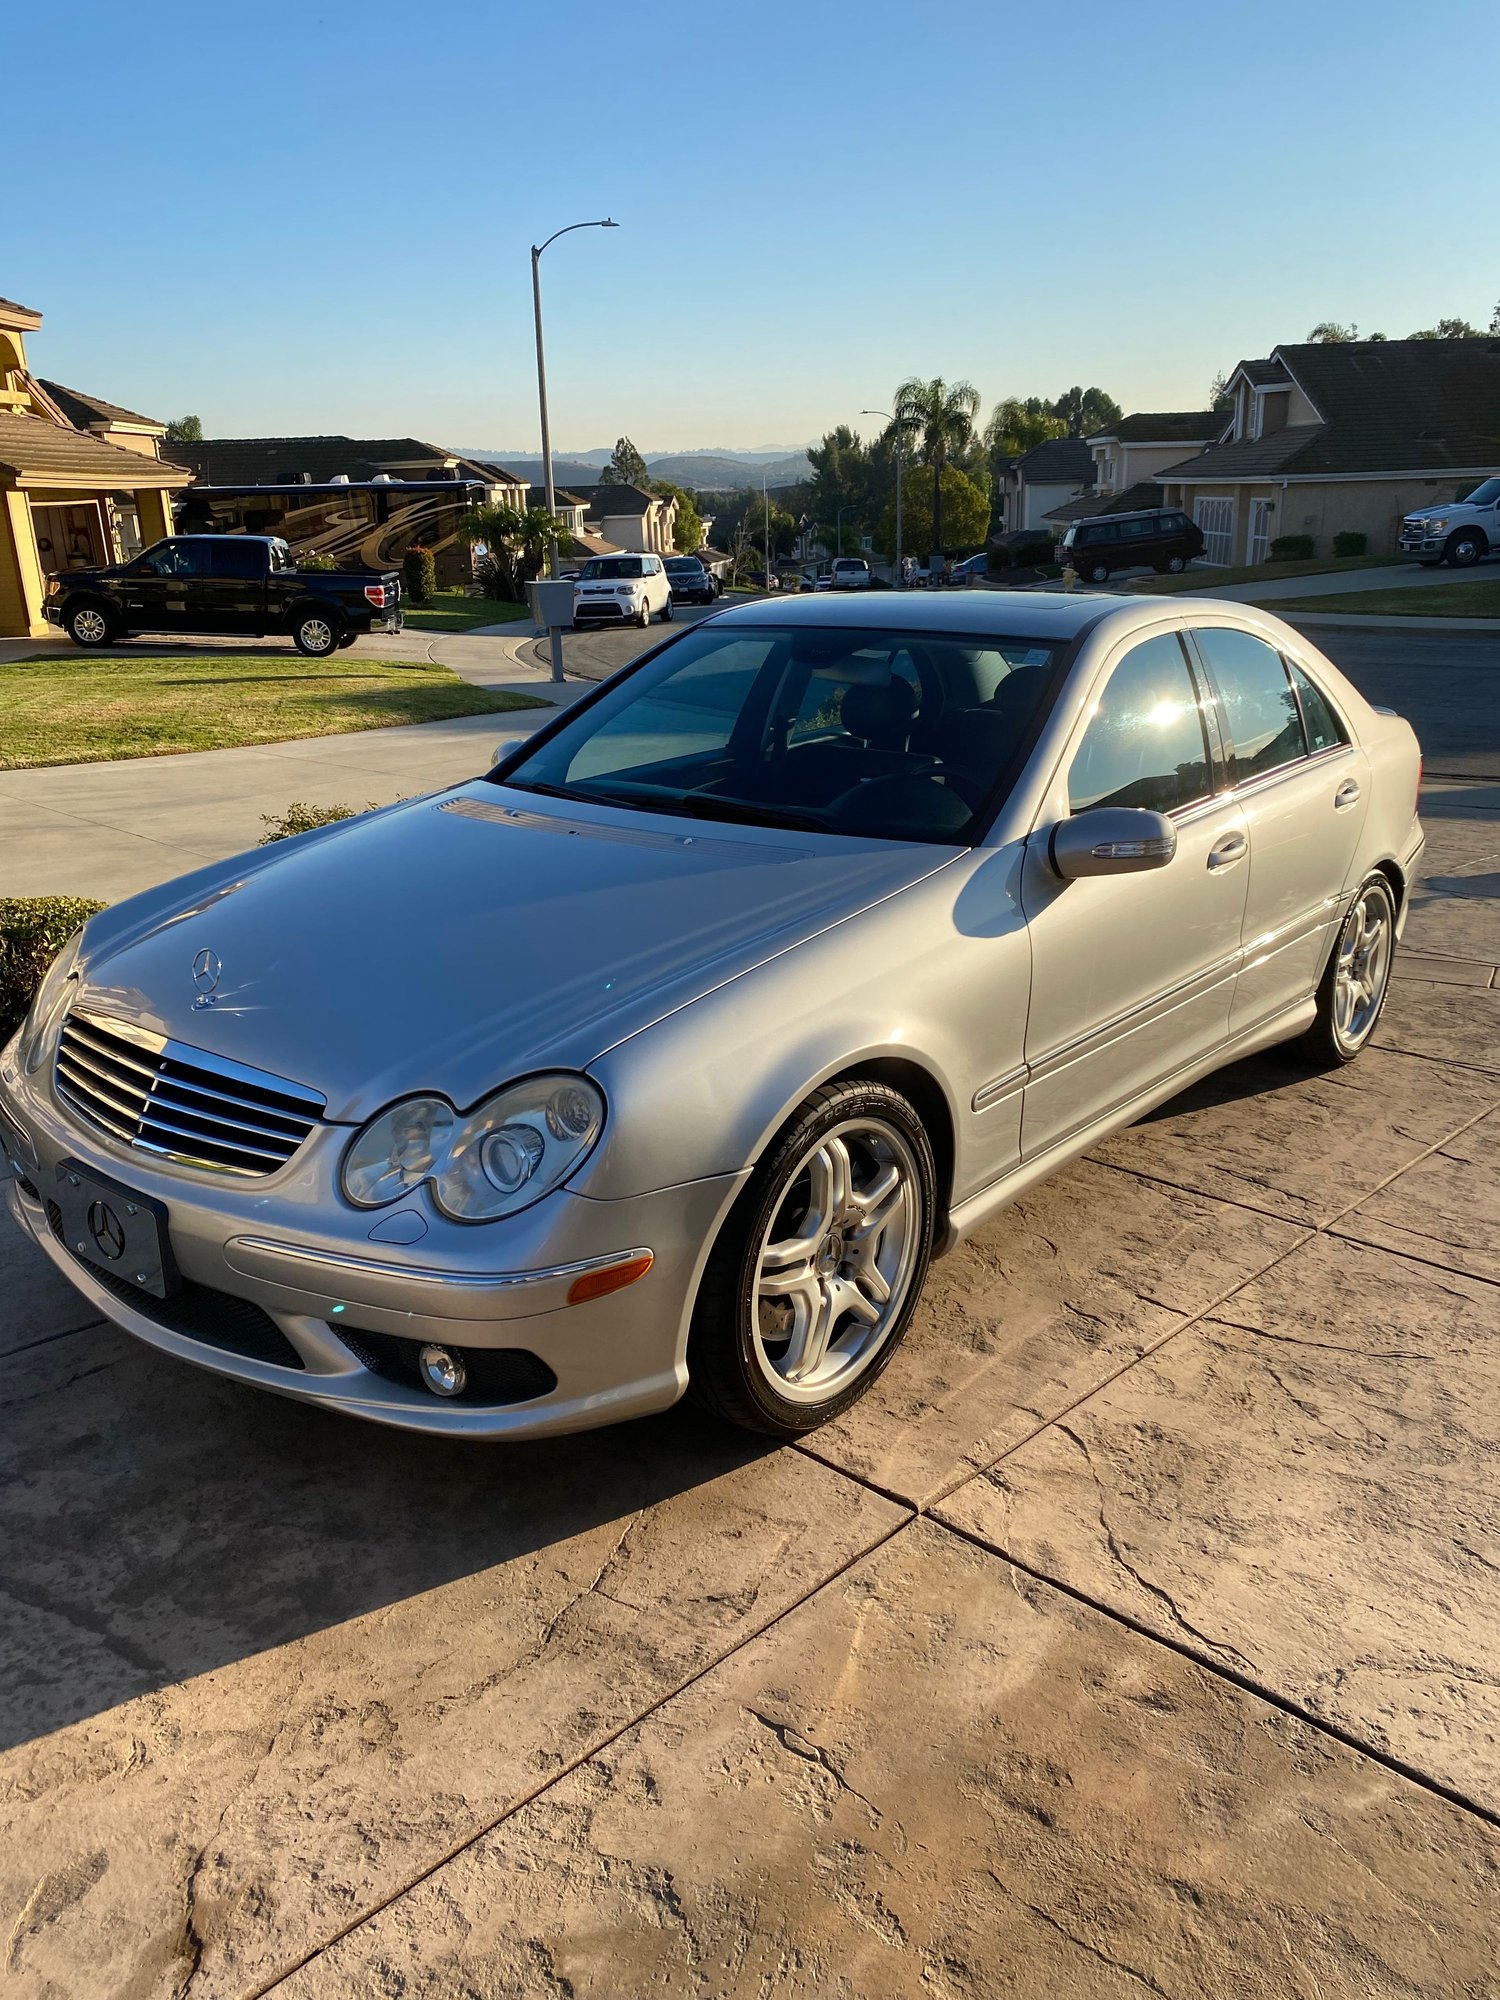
x: 207, y: 972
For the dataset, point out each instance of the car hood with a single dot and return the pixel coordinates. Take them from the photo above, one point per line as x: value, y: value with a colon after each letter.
x: 460, y: 940
x: 1431, y: 513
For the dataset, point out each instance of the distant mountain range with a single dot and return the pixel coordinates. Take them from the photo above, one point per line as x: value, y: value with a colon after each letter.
x: 708, y: 471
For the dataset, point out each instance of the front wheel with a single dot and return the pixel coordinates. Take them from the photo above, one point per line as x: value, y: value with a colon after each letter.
x: 1096, y: 572
x: 815, y: 1275
x: 1465, y: 548
x: 1176, y: 565
x: 90, y: 626
x: 1357, y: 977
x: 317, y: 633
x: 666, y: 612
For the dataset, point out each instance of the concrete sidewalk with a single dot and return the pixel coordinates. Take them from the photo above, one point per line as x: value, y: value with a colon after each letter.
x: 111, y: 829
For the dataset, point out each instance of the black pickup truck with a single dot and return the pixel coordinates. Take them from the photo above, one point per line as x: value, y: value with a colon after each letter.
x: 224, y: 583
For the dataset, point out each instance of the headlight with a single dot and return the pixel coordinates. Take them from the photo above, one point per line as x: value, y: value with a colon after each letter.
x: 1435, y: 527
x: 514, y: 1148
x: 626, y: 589
x: 54, y: 586
x: 40, y: 1029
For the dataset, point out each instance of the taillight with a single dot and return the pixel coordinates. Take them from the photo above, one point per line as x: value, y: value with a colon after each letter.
x: 376, y: 594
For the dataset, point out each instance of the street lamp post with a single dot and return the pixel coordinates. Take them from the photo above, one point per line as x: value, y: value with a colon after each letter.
x: 765, y: 508
x: 541, y: 373
x: 900, y: 577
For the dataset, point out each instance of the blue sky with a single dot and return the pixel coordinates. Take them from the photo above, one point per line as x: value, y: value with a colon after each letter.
x: 317, y: 218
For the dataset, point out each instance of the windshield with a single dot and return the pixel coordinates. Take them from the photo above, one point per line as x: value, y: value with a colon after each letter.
x: 895, y: 735
x: 1484, y: 495
x: 677, y: 564
x: 611, y: 566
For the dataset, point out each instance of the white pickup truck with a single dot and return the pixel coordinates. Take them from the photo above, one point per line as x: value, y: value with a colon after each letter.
x: 1464, y: 532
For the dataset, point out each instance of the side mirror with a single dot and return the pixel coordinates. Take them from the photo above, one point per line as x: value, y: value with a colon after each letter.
x: 1111, y: 840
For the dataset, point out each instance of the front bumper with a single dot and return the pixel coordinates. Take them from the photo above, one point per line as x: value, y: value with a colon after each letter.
x: 1422, y: 544
x: 306, y: 1262
x: 52, y: 612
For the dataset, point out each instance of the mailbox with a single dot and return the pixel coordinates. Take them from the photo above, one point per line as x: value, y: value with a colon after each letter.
x: 551, y: 602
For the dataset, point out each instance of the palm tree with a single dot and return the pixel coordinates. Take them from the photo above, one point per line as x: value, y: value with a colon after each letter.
x: 942, y: 414
x: 518, y: 540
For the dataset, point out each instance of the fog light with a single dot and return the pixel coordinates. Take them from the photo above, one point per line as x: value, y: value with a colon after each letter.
x: 443, y: 1371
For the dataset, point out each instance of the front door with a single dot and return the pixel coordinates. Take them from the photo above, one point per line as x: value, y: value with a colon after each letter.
x: 1132, y: 974
x: 1305, y: 791
x: 1260, y: 530
x: 158, y: 587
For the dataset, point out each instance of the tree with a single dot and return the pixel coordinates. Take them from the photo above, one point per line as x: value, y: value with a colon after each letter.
x: 1015, y: 426
x: 516, y: 543
x: 1332, y: 332
x: 1495, y: 320
x: 965, y: 514
x: 687, y: 527
x: 626, y: 468
x: 1085, y: 410
x: 185, y: 430
x: 940, y: 416
x: 1218, y: 392
x: 1448, y: 329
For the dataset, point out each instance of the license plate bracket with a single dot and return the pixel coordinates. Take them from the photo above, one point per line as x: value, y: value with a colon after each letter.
x: 116, y: 1229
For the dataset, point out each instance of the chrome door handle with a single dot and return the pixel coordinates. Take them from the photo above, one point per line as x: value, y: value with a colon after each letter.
x: 1346, y: 794
x: 1224, y: 853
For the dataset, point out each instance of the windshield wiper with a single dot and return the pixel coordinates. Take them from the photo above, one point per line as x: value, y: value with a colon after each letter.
x: 745, y: 812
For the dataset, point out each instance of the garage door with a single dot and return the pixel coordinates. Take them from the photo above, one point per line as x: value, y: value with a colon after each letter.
x: 1216, y: 519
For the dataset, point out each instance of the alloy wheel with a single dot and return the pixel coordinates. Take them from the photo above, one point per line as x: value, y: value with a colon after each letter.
x: 90, y: 627
x: 1362, y: 966
x: 836, y: 1262
x: 317, y: 635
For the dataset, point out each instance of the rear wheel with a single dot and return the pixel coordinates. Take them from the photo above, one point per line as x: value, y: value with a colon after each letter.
x: 317, y: 633
x: 1465, y: 548
x: 1096, y: 572
x: 815, y: 1275
x: 347, y: 640
x: 1357, y: 977
x: 666, y: 612
x: 1175, y: 565
x: 90, y: 626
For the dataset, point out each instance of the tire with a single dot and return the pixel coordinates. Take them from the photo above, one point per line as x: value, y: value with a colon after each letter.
x: 347, y: 640
x: 1465, y: 547
x: 317, y: 633
x: 1175, y: 565
x: 666, y: 612
x: 90, y: 626
x: 1097, y: 572
x: 645, y: 618
x: 1358, y: 961
x: 820, y: 1175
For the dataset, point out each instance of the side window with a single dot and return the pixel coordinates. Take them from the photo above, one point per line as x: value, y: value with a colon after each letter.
x: 236, y: 557
x: 1261, y: 719
x: 1324, y: 730
x: 1145, y: 745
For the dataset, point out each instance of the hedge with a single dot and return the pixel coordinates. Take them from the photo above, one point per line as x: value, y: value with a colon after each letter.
x: 419, y: 574
x: 33, y: 930
x: 1291, y: 548
x: 1349, y: 544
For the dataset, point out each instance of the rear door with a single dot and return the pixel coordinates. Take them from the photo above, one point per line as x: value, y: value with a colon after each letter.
x: 232, y: 597
x: 1132, y: 975
x: 1304, y: 788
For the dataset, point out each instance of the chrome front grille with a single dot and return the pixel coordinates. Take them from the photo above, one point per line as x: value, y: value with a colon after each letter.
x: 178, y: 1102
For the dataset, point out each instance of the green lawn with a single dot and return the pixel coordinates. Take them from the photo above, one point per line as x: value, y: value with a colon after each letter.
x: 83, y: 709
x: 452, y: 611
x: 1472, y: 599
x: 1215, y: 579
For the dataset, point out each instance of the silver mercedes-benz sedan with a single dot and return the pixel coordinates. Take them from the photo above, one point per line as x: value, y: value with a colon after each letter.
x: 668, y: 1053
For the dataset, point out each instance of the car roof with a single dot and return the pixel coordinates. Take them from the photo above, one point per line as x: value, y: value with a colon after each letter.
x: 1132, y: 514
x: 1052, y: 615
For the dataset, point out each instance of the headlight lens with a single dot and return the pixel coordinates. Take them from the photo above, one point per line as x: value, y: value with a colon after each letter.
x: 40, y: 1029
x: 1435, y: 527
x: 514, y: 1148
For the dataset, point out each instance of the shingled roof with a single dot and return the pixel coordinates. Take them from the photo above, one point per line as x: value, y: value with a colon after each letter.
x: 34, y: 451
x: 1057, y: 462
x: 1165, y: 427
x: 602, y: 500
x: 1388, y: 406
x: 275, y: 461
x: 82, y: 411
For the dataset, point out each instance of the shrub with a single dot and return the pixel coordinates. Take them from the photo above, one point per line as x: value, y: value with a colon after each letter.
x: 997, y: 559
x: 493, y: 578
x: 1349, y: 544
x: 315, y: 559
x: 33, y: 930
x: 1291, y: 548
x: 302, y: 818
x: 419, y: 574
x: 1033, y: 552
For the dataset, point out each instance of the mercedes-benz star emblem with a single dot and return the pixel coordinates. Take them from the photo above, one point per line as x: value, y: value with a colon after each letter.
x: 207, y: 972
x: 104, y: 1227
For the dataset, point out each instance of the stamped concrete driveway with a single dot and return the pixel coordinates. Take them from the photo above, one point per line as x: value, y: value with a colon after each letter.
x: 1137, y: 1634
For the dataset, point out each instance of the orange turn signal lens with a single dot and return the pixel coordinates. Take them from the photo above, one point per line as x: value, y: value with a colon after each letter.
x: 614, y: 1278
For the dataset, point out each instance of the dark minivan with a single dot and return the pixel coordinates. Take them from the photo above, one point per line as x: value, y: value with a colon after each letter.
x: 1162, y: 537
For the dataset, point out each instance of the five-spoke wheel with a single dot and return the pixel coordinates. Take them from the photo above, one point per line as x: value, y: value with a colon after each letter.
x: 1354, y: 986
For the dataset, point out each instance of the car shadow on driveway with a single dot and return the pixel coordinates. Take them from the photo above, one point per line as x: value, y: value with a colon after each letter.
x: 162, y: 1522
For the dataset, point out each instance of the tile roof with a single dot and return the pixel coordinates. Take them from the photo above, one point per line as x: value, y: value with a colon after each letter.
x: 1167, y: 426
x: 1246, y: 458
x: 1057, y: 462
x: 498, y: 473
x: 81, y: 410
x: 37, y: 452
x: 1262, y: 374
x: 1088, y: 507
x: 602, y: 500
x: 10, y: 309
x: 274, y: 461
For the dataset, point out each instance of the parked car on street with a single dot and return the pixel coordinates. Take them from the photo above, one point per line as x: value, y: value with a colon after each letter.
x: 867, y: 915
x: 1163, y: 539
x: 622, y: 590
x: 234, y: 584
x: 849, y: 573
x: 1463, y: 533
x: 690, y: 582
x: 970, y: 569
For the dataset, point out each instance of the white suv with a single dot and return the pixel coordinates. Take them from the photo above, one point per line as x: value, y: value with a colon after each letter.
x: 849, y: 573
x: 1462, y: 533
x: 622, y: 590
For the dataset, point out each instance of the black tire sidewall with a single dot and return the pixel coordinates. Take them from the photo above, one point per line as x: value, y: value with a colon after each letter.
x: 91, y: 645
x: 335, y: 627
x: 721, y: 1361
x: 1462, y: 542
x: 1322, y: 1040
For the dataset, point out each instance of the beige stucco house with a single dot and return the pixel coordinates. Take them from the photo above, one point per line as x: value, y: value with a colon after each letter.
x: 80, y: 480
x: 629, y: 518
x: 1346, y: 436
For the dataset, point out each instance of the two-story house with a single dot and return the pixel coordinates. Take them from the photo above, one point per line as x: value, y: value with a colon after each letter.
x: 1046, y: 477
x: 1344, y: 436
x: 80, y: 480
x: 629, y: 517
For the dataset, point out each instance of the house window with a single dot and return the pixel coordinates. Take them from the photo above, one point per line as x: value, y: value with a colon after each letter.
x: 1216, y: 519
